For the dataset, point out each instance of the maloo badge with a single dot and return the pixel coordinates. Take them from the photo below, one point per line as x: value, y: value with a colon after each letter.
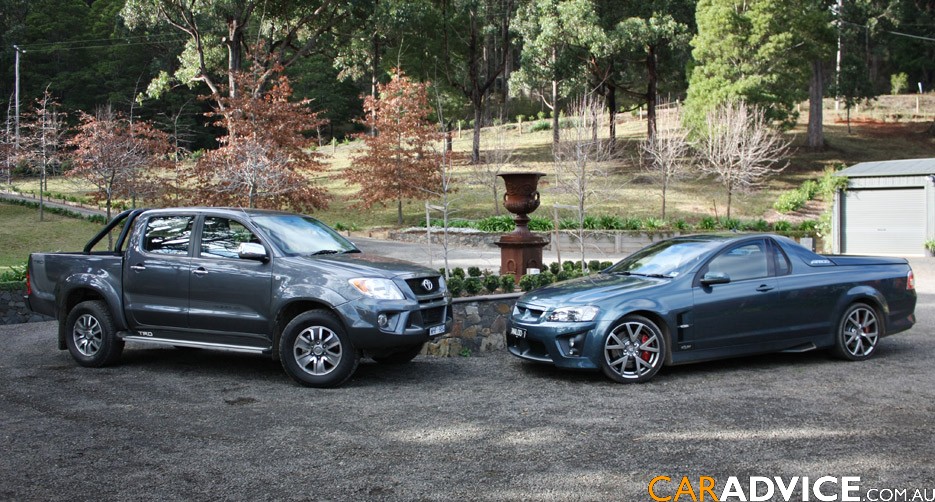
x: 427, y: 284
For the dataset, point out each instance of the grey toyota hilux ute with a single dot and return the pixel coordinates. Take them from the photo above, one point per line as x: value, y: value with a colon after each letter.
x: 274, y: 283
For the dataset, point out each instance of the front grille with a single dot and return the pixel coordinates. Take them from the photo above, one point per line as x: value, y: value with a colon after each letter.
x: 527, y: 313
x: 418, y: 285
x: 427, y: 318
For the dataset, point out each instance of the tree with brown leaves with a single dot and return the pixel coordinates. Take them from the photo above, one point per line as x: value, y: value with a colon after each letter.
x: 265, y: 161
x: 118, y: 157
x: 398, y: 162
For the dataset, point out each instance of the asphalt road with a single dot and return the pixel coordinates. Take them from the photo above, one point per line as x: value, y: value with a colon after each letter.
x: 170, y: 424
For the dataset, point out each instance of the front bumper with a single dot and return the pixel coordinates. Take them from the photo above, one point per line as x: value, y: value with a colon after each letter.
x: 407, y: 322
x: 566, y: 345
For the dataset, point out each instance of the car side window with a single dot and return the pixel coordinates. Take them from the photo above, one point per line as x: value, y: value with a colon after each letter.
x: 781, y: 261
x: 747, y: 261
x: 168, y: 235
x: 220, y: 237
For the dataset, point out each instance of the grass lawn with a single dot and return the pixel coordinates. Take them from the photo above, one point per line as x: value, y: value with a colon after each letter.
x: 22, y: 233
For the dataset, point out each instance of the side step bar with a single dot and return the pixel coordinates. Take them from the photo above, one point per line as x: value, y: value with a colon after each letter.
x: 198, y: 345
x: 805, y: 347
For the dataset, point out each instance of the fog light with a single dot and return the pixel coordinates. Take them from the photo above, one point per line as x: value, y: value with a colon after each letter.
x: 382, y: 321
x: 576, y: 344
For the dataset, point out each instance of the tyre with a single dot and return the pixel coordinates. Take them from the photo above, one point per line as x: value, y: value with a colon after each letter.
x: 90, y: 335
x: 401, y: 356
x: 858, y: 333
x: 633, y: 351
x: 316, y: 351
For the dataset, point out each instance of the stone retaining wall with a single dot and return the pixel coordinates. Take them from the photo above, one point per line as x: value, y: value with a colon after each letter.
x: 13, y: 307
x: 479, y: 326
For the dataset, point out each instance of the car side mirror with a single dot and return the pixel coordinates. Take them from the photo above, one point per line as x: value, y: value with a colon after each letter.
x: 251, y: 251
x: 712, y: 278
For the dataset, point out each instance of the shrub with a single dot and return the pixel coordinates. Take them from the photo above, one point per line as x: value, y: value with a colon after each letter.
x: 682, y: 225
x: 782, y: 226
x: 708, y: 223
x: 541, y: 125
x: 491, y: 283
x: 474, y: 272
x: 654, y: 224
x: 496, y: 224
x: 610, y: 222
x: 472, y: 285
x: 541, y: 114
x: 546, y: 278
x: 568, y: 265
x: 606, y: 264
x: 16, y: 273
x: 563, y: 275
x: 555, y: 267
x: 508, y: 283
x: 456, y: 285
x: 594, y: 265
x: 457, y: 272
x: 632, y: 224
x: 899, y: 82
x: 540, y: 224
x: 591, y: 223
x: 732, y: 224
x: 808, y: 226
x: 528, y: 283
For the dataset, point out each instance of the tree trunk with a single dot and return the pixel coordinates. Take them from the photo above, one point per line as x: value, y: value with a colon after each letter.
x: 374, y: 80
x: 555, y: 134
x: 234, y: 54
x: 651, y: 92
x: 612, y: 108
x: 816, y: 137
x: 399, y: 212
x: 478, y: 114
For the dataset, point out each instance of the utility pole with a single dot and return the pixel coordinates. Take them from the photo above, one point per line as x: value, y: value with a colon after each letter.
x: 839, y: 11
x: 16, y: 91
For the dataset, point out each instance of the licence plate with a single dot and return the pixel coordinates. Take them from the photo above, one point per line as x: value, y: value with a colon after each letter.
x: 437, y: 330
x: 518, y: 332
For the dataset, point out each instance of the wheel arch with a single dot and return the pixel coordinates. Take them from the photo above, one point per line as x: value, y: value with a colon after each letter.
x: 294, y: 308
x: 71, y: 298
x: 659, y: 321
x: 866, y: 296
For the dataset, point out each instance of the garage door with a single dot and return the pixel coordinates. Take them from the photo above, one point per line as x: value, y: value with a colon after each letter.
x: 885, y: 222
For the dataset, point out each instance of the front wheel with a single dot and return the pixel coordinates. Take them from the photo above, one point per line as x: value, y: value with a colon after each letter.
x: 858, y: 333
x: 316, y: 351
x: 634, y: 350
x: 90, y: 335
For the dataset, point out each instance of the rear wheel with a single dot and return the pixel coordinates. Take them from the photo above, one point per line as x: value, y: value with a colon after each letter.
x: 858, y: 333
x: 401, y: 356
x: 90, y: 335
x: 316, y: 351
x: 634, y: 350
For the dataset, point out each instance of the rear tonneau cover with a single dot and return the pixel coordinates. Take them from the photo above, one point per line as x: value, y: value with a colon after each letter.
x: 866, y: 260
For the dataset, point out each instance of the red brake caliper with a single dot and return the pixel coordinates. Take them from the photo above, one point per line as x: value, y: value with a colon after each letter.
x: 645, y: 355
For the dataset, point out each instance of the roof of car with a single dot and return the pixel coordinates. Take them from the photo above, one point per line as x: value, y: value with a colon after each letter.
x: 219, y: 210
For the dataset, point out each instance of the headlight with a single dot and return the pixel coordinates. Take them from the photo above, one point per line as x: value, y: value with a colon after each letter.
x: 574, y: 314
x: 383, y: 289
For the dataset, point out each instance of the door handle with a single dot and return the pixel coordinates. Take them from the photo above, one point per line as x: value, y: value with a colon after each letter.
x: 200, y: 271
x: 137, y: 267
x: 764, y: 288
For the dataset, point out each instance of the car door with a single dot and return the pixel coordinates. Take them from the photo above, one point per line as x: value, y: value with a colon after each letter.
x: 740, y: 311
x: 229, y: 294
x: 156, y: 273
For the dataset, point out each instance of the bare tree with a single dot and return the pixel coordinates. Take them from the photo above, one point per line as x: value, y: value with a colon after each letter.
x: 739, y: 148
x: 497, y: 157
x: 581, y: 160
x: 42, y: 144
x: 667, y: 154
x: 115, y: 156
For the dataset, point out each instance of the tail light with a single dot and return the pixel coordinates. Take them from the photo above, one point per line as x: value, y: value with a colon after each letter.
x: 910, y: 281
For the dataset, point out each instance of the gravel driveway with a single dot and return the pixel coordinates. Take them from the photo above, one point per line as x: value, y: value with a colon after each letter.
x: 188, y: 424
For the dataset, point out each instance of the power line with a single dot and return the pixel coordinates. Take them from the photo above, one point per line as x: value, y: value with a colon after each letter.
x: 113, y: 42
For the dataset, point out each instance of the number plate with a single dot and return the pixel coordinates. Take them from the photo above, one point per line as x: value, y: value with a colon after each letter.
x: 437, y: 330
x: 518, y: 332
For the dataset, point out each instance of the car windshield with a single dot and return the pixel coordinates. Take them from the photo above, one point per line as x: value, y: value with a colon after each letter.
x: 664, y: 259
x: 297, y: 235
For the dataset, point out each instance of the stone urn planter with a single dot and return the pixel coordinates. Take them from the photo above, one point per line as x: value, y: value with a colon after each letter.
x: 521, y: 249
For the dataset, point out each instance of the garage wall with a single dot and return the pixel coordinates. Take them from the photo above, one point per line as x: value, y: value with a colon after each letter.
x: 884, y: 221
x: 884, y: 215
